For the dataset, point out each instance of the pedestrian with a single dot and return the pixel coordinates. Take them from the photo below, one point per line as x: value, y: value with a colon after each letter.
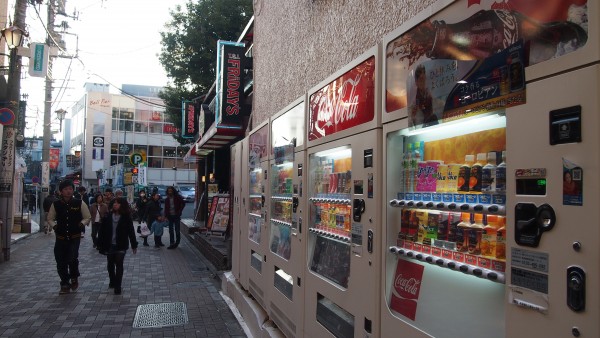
x: 68, y: 216
x: 82, y: 195
x: 152, y: 211
x: 174, y: 205
x: 158, y: 227
x: 98, y: 210
x: 140, y: 205
x: 114, y: 238
x: 32, y: 203
x: 52, y: 196
x: 108, y: 196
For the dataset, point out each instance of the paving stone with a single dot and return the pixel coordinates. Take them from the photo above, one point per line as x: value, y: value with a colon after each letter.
x: 32, y: 306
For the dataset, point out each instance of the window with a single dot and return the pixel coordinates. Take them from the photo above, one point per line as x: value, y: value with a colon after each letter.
x: 154, y: 162
x: 154, y: 150
x: 169, y: 151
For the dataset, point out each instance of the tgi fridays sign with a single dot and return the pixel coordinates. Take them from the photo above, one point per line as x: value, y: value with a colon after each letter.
x: 346, y: 102
x: 232, y: 62
x: 189, y: 120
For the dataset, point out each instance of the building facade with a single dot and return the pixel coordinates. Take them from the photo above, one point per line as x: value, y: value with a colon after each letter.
x: 109, y: 133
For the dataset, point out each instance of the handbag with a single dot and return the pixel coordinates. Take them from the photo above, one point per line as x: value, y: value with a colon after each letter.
x: 144, y: 231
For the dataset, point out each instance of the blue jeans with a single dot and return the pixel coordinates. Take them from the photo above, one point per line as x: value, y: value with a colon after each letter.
x: 66, y: 254
x: 174, y: 221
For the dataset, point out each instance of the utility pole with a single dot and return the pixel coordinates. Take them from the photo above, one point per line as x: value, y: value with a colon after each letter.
x: 9, y: 135
x: 50, y: 38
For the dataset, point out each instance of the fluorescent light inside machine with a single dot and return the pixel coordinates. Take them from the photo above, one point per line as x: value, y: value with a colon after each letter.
x: 336, y: 153
x: 464, y: 126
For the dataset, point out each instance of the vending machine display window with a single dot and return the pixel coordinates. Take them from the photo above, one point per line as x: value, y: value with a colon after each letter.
x: 450, y: 187
x: 331, y: 213
x: 281, y: 208
x: 256, y: 201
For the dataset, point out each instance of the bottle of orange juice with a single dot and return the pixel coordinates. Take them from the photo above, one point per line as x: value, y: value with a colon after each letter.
x: 489, y: 237
x: 475, y: 234
x: 501, y: 239
x: 464, y: 174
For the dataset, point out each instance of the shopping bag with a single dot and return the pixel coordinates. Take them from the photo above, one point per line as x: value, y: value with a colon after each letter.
x: 145, y: 232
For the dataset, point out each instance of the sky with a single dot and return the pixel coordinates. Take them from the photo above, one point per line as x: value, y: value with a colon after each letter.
x: 116, y: 41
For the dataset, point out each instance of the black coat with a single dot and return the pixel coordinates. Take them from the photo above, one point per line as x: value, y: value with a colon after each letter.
x: 153, y: 209
x: 125, y: 234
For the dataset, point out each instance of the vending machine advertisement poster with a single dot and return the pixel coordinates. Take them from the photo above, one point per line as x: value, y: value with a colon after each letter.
x: 478, y: 30
x: 346, y: 102
x: 407, y: 285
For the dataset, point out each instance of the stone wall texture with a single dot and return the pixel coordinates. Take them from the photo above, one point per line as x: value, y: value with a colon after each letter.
x: 299, y: 43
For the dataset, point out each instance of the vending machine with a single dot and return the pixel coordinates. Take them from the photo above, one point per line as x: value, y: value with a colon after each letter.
x: 258, y: 205
x: 344, y: 201
x: 238, y: 224
x: 287, y: 233
x: 486, y: 216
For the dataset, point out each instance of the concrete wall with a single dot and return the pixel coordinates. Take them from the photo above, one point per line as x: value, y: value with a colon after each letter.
x: 299, y: 43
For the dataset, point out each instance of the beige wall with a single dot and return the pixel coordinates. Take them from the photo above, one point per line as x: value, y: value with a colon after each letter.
x: 299, y: 43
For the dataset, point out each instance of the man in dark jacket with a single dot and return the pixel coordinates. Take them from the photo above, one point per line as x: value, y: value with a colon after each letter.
x: 174, y: 205
x: 68, y: 216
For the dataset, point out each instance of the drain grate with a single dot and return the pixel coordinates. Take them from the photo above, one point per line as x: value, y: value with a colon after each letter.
x: 160, y: 315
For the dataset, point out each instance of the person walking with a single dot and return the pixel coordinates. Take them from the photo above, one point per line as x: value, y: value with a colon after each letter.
x: 98, y: 210
x: 174, y: 205
x: 52, y: 196
x: 68, y: 216
x: 152, y: 212
x: 114, y: 238
x: 158, y: 228
x: 140, y: 206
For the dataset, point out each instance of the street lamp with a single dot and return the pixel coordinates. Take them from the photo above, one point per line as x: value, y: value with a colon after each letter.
x: 14, y: 36
x: 60, y: 115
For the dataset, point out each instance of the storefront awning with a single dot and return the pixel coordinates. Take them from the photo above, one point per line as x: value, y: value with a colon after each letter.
x: 216, y: 137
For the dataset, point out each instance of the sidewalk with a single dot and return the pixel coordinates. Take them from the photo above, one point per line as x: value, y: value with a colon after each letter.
x: 177, y: 290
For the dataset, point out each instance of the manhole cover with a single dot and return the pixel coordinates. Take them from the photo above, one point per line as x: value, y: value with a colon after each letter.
x: 160, y: 315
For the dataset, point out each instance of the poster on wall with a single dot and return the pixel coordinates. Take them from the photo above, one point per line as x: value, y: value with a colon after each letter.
x: 470, y: 58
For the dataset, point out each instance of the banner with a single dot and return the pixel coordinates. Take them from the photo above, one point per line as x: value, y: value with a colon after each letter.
x: 54, y: 158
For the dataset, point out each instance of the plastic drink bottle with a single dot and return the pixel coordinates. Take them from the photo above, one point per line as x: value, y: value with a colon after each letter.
x: 488, y: 174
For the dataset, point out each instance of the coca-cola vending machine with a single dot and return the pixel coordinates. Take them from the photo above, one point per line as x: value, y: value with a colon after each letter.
x: 258, y: 206
x: 344, y: 202
x: 485, y: 221
x: 239, y: 229
x: 287, y: 233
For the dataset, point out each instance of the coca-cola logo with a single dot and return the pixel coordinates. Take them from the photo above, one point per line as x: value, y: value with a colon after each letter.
x: 345, y: 102
x: 407, y: 286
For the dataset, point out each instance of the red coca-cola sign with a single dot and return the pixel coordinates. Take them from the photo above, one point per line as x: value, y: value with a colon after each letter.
x: 346, y: 102
x: 406, y: 288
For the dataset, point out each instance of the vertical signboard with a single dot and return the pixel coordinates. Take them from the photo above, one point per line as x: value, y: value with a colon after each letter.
x: 7, y: 160
x: 230, y: 65
x: 38, y: 64
x: 189, y: 119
